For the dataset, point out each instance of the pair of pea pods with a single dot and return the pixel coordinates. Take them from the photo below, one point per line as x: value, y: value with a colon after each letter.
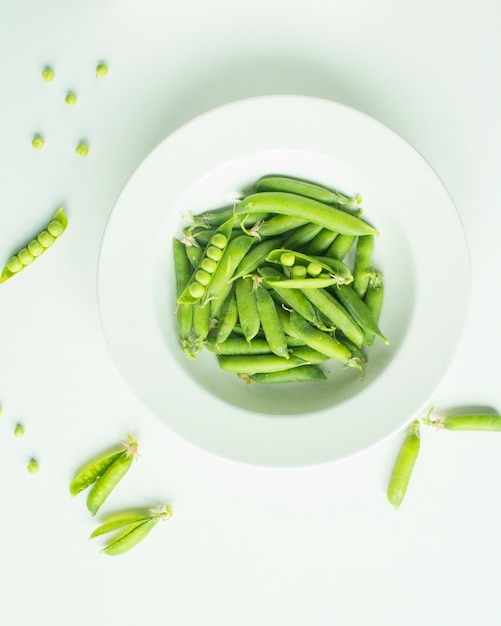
x: 101, y: 475
x: 266, y: 287
x: 409, y: 450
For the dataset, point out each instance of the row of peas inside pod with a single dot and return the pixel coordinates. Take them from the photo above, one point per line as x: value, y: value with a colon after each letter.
x: 266, y: 285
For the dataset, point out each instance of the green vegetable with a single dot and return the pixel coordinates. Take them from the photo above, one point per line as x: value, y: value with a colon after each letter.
x: 402, y: 470
x: 82, y: 149
x: 131, y: 527
x: 101, y: 70
x: 38, y: 142
x: 48, y: 74
x: 36, y: 247
x: 33, y: 466
x: 19, y: 430
x: 466, y: 421
x: 71, y: 98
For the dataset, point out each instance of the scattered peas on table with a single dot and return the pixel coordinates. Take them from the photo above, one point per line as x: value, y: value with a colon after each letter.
x: 38, y: 142
x: 82, y: 149
x: 19, y: 431
x: 71, y: 98
x: 102, y: 69
x: 33, y: 467
x: 266, y: 263
x: 48, y: 74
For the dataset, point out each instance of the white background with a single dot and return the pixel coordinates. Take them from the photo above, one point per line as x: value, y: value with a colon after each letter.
x: 245, y: 546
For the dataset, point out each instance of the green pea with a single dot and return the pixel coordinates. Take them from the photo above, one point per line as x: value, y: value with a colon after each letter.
x: 33, y: 466
x: 35, y: 248
x: 82, y: 149
x: 102, y: 69
x: 196, y: 290
x: 214, y: 253
x: 14, y: 265
x: 219, y: 240
x: 208, y: 265
x: 38, y: 142
x: 45, y: 239
x: 298, y: 271
x: 48, y: 74
x: 287, y: 259
x: 404, y: 464
x: 202, y: 277
x: 19, y: 431
x: 55, y: 228
x: 25, y: 256
x: 314, y: 269
x: 71, y: 98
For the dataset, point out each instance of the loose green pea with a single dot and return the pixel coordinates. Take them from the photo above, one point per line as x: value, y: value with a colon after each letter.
x: 82, y: 149
x: 71, y: 98
x: 33, y: 466
x: 19, y: 431
x: 101, y: 70
x: 48, y: 74
x: 38, y: 142
x: 25, y: 256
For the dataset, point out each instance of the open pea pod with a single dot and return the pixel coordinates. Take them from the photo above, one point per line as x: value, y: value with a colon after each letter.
x: 335, y: 270
x: 213, y: 252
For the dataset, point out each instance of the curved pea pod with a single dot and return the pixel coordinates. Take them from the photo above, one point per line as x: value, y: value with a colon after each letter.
x: 112, y: 475
x: 321, y: 242
x: 90, y: 472
x: 301, y: 236
x: 404, y: 464
x: 359, y: 310
x: 133, y: 528
x: 309, y: 354
x: 307, y: 189
x: 323, y: 342
x: 340, y: 247
x: 374, y: 297
x: 200, y: 278
x: 37, y: 246
x: 228, y: 319
x: 302, y: 374
x: 184, y: 312
x: 298, y: 206
x: 278, y: 225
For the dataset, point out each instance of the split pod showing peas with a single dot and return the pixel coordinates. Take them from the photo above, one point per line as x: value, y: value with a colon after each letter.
x: 104, y: 472
x: 36, y: 247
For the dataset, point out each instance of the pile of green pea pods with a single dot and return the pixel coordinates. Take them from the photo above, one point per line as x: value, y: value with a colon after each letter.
x: 265, y: 285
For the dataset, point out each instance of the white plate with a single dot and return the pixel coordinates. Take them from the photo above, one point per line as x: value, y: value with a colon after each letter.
x: 421, y: 251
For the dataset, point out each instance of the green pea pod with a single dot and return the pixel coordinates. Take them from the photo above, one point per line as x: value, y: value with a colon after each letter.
x: 196, y: 289
x: 130, y: 538
x: 110, y: 478
x: 359, y: 310
x: 340, y: 247
x: 232, y: 256
x: 402, y: 470
x: 277, y: 225
x: 297, y: 206
x: 486, y: 422
x: 256, y: 256
x: 305, y: 373
x: 322, y: 341
x: 88, y: 474
x: 270, y: 322
x: 252, y: 364
x: 301, y: 236
x: 321, y: 242
x: 363, y: 270
x: 121, y: 519
x: 374, y: 297
x: 334, y: 269
x: 307, y: 189
x: 37, y: 246
x: 248, y: 314
x: 184, y: 312
x: 228, y: 319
